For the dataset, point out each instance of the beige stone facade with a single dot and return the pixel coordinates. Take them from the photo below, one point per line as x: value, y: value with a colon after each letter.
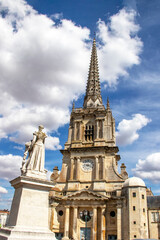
x: 89, y: 182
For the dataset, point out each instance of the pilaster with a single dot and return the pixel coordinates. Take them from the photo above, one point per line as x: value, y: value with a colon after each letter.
x: 119, y: 221
x: 74, y: 227
x: 94, y: 226
x: 78, y: 169
x: 97, y: 168
x: 71, y: 168
x: 103, y: 167
x: 66, y: 224
x: 102, y: 223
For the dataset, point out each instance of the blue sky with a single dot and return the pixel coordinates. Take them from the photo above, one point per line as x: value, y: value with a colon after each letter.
x: 45, y: 49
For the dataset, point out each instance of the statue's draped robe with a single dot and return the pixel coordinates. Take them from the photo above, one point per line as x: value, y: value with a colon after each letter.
x: 37, y: 152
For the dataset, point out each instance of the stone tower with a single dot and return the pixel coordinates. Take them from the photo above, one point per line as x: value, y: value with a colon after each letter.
x: 135, y: 209
x: 89, y: 179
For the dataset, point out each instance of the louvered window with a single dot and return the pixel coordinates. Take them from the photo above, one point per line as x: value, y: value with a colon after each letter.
x: 89, y: 132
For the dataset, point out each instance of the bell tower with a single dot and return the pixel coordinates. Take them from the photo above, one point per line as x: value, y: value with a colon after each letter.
x: 90, y: 154
x: 89, y: 181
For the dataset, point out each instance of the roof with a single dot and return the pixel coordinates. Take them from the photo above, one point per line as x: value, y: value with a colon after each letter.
x: 4, y: 211
x: 153, y: 202
x: 134, y: 182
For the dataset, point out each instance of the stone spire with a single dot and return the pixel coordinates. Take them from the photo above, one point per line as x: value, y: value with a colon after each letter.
x: 93, y: 96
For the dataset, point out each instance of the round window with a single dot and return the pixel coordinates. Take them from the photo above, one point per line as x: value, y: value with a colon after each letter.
x: 60, y: 213
x: 112, y: 214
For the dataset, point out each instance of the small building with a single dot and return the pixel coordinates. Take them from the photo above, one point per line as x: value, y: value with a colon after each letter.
x: 4, y: 214
x: 153, y: 203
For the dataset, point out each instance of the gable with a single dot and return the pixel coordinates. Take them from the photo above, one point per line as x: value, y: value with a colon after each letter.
x: 85, y: 195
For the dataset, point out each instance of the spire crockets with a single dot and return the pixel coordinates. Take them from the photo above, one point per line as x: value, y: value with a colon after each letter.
x: 93, y: 96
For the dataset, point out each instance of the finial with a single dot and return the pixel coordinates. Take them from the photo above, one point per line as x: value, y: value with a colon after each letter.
x: 73, y: 106
x: 108, y: 106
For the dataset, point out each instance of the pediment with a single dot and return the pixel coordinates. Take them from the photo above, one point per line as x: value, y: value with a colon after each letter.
x: 85, y: 195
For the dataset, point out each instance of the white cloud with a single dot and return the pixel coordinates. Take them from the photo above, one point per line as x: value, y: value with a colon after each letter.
x: 128, y: 129
x: 52, y: 143
x: 49, y: 175
x: 149, y: 168
x: 3, y: 190
x: 44, y: 66
x: 10, y: 166
x: 57, y: 16
x: 121, y: 46
x: 20, y: 148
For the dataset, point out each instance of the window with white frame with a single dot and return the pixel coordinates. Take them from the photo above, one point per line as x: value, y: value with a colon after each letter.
x: 155, y: 217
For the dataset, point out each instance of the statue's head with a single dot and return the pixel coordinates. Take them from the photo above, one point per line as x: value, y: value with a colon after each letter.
x: 41, y: 127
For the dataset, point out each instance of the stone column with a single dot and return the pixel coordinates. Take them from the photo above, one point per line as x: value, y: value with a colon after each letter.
x: 53, y: 206
x: 119, y: 223
x: 71, y: 169
x: 66, y: 224
x: 75, y: 130
x: 96, y: 169
x: 103, y: 167
x: 102, y: 128
x: 102, y: 224
x: 78, y: 169
x: 97, y: 124
x: 74, y: 227
x: 94, y: 226
x: 80, y: 131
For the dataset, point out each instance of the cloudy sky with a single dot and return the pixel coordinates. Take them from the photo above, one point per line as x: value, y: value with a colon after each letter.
x: 45, y: 49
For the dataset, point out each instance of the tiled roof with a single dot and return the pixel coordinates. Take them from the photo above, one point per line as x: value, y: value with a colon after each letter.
x: 153, y: 202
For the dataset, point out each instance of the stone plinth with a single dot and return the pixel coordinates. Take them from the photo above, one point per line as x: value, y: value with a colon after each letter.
x: 30, y: 210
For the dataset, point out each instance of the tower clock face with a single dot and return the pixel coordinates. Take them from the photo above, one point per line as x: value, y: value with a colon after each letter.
x: 87, y: 165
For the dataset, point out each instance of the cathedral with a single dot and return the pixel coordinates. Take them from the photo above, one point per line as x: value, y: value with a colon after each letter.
x: 89, y: 199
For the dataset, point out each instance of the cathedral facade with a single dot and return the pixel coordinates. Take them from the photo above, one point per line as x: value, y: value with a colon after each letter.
x: 91, y: 199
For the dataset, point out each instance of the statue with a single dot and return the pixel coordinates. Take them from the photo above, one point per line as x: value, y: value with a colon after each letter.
x: 35, y: 149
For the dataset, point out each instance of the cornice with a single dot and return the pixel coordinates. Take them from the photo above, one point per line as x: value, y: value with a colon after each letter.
x: 93, y: 148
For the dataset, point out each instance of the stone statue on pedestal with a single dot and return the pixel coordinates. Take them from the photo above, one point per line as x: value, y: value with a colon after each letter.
x: 35, y: 149
x: 29, y: 212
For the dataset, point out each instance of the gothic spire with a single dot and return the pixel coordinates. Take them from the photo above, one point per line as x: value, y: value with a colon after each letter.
x: 93, y: 96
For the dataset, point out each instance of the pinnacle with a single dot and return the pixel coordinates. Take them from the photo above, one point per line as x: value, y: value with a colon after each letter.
x: 108, y: 105
x: 73, y: 105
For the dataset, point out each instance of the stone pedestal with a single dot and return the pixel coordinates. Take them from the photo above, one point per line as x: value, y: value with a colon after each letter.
x: 29, y: 218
